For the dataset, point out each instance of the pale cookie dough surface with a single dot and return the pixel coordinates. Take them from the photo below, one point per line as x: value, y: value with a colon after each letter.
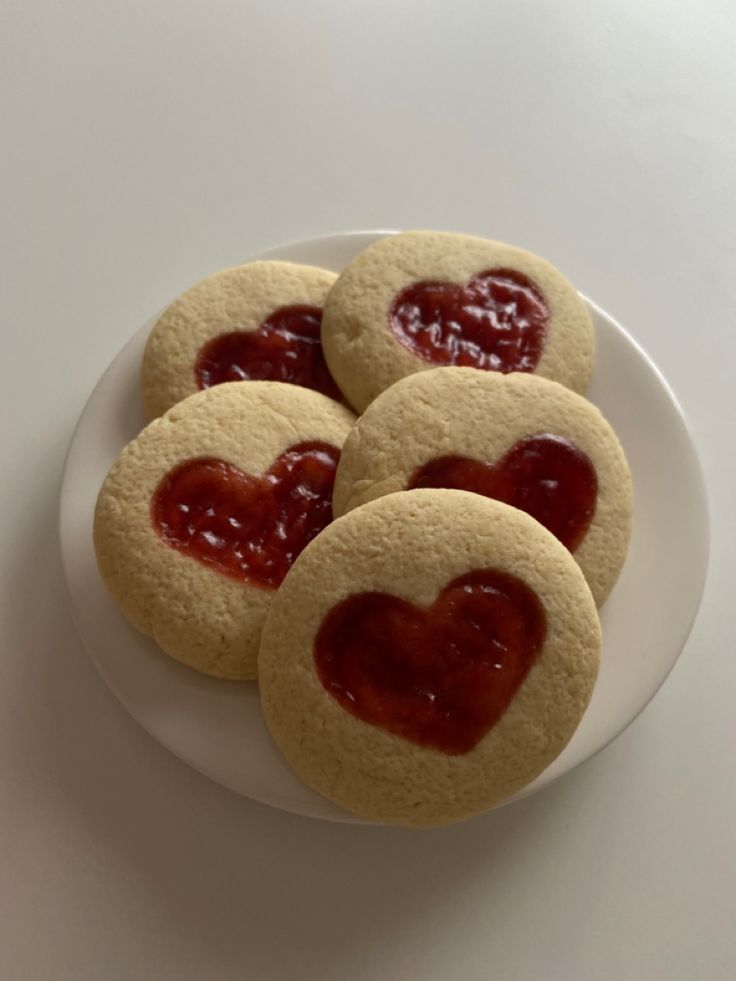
x: 196, y: 614
x: 365, y: 357
x: 412, y: 545
x: 481, y: 415
x: 240, y: 298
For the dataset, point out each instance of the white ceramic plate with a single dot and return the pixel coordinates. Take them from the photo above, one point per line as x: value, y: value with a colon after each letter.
x: 217, y: 726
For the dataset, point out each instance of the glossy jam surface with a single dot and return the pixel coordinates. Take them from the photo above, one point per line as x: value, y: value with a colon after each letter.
x: 249, y: 528
x: 545, y: 475
x: 286, y: 348
x: 441, y: 677
x: 497, y: 322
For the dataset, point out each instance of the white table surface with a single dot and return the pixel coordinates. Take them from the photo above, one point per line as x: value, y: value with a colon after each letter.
x: 146, y: 143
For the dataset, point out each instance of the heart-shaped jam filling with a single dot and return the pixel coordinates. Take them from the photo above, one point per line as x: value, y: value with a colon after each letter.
x: 249, y: 528
x: 497, y: 321
x: 286, y: 348
x: 441, y: 677
x: 545, y: 475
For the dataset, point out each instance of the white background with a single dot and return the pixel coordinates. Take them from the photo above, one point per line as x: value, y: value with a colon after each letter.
x: 145, y: 143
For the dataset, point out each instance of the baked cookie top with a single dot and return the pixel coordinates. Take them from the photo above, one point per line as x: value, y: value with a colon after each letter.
x: 427, y: 656
x: 419, y: 300
x: 259, y: 321
x: 202, y: 514
x: 518, y: 438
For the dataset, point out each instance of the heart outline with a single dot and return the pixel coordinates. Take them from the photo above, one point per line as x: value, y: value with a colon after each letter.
x: 292, y: 332
x: 497, y: 321
x: 184, y: 517
x: 447, y: 704
x: 541, y: 474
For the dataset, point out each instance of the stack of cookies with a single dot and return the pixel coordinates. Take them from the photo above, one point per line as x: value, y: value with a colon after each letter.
x: 384, y: 496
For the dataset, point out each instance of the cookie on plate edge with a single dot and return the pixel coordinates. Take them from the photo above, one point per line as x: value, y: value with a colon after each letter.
x: 427, y: 656
x: 260, y: 321
x: 517, y: 438
x: 419, y: 300
x: 201, y: 516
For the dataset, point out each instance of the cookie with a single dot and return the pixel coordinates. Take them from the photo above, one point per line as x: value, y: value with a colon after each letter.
x: 202, y: 514
x: 259, y: 321
x: 420, y: 300
x: 427, y: 656
x: 518, y: 438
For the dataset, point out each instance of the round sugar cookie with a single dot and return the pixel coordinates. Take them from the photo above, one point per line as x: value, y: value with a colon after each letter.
x: 420, y: 300
x: 427, y: 656
x: 201, y: 515
x: 518, y: 438
x: 257, y: 322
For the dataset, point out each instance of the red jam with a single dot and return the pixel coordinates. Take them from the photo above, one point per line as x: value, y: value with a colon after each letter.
x: 286, y: 348
x: 545, y: 475
x: 249, y: 528
x: 441, y: 677
x: 497, y: 322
